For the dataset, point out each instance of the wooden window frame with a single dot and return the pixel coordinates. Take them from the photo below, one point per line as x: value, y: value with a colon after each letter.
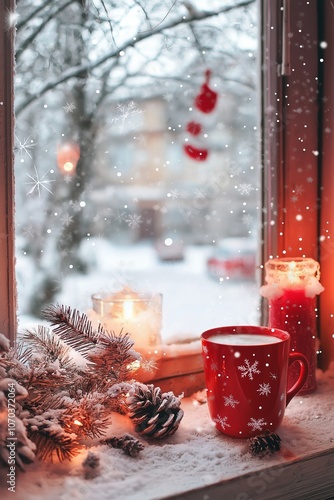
x: 279, y: 177
x: 280, y: 163
x: 7, y: 251
x: 297, y: 102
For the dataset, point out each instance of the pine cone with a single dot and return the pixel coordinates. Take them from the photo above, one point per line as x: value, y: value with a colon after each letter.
x: 155, y: 414
x: 265, y: 444
x: 129, y: 444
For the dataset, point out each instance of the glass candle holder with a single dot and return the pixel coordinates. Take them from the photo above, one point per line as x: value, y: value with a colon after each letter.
x: 292, y: 286
x: 139, y: 314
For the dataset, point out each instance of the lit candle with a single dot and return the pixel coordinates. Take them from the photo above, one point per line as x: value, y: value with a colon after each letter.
x: 292, y: 286
x: 138, y: 314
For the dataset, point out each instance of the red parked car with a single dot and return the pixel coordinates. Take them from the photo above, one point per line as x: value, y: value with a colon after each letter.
x: 233, y: 258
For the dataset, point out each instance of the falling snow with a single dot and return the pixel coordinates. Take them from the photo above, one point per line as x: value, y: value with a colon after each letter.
x: 125, y: 113
x: 248, y: 370
x: 70, y: 107
x: 24, y: 146
x: 39, y: 183
x: 134, y: 221
x: 245, y: 189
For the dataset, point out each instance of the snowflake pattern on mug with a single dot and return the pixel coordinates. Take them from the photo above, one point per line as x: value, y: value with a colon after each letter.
x: 222, y: 421
x: 264, y: 389
x: 230, y: 401
x: 248, y: 369
x: 257, y: 424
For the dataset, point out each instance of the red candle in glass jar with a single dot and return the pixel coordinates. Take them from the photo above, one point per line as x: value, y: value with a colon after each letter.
x: 292, y: 286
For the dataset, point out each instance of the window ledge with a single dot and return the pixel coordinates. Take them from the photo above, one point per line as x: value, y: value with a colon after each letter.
x: 199, y: 463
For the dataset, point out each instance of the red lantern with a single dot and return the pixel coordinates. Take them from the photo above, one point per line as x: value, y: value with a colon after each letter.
x: 68, y: 155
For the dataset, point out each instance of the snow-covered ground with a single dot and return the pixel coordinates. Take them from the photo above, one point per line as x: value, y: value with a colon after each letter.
x: 192, y: 300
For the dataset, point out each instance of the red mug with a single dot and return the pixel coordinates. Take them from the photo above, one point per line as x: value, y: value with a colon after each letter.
x: 246, y: 370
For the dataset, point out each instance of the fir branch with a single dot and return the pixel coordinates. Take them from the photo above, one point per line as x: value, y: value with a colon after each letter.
x: 50, y: 445
x: 88, y: 419
x: 73, y: 327
x: 114, y: 361
x: 49, y: 346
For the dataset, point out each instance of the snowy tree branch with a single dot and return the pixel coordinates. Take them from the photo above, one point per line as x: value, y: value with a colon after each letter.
x: 77, y: 71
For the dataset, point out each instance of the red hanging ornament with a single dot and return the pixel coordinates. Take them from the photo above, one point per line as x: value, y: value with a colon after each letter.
x: 206, y: 100
x: 198, y: 154
x: 194, y: 128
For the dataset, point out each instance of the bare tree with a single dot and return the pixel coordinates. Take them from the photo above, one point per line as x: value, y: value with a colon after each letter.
x: 73, y: 59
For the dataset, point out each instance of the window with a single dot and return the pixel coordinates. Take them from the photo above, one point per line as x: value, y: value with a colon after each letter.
x: 278, y: 180
x: 164, y: 170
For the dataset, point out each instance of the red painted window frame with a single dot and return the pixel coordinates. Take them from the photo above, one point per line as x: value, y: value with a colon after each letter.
x: 282, y: 75
x: 7, y: 253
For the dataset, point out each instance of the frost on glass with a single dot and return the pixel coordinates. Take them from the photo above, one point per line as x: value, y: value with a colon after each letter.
x: 108, y: 194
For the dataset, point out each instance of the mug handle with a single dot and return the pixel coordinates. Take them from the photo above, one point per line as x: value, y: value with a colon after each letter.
x: 303, y: 374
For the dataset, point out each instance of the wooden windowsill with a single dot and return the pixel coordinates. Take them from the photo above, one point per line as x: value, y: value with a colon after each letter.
x: 199, y: 463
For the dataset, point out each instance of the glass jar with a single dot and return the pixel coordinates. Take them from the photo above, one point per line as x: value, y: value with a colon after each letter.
x: 128, y: 311
x: 291, y: 289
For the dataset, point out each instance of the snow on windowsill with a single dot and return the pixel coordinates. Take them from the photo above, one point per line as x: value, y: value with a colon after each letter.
x: 196, y: 456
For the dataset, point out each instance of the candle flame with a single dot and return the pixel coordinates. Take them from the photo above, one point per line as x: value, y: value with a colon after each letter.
x: 77, y: 422
x: 128, y: 309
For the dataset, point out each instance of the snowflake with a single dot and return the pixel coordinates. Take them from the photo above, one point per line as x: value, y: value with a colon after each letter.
x: 294, y: 198
x: 273, y: 376
x: 66, y: 220
x: 38, y: 183
x: 149, y: 365
x: 168, y: 97
x: 175, y: 193
x: 120, y: 217
x: 282, y: 396
x: 264, y: 389
x: 222, y: 421
x: 23, y: 147
x: 199, y: 193
x: 299, y: 190
x: 234, y: 169
x: 247, y: 219
x: 166, y: 43
x: 230, y: 401
x: 256, y: 424
x: 134, y: 220
x: 249, y: 369
x: 29, y: 231
x: 124, y: 113
x: 214, y: 366
x: 309, y: 180
x: 245, y: 188
x: 70, y: 107
x: 205, y: 349
x: 11, y: 19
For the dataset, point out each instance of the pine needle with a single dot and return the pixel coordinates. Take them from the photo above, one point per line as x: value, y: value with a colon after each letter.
x: 73, y: 327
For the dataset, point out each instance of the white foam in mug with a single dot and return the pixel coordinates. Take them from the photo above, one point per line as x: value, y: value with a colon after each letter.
x: 243, y: 339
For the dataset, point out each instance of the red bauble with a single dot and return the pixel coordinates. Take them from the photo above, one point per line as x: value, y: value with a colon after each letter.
x: 198, y: 154
x: 194, y: 128
x: 206, y: 100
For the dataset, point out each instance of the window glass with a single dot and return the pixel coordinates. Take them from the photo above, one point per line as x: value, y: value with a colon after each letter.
x: 137, y: 159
